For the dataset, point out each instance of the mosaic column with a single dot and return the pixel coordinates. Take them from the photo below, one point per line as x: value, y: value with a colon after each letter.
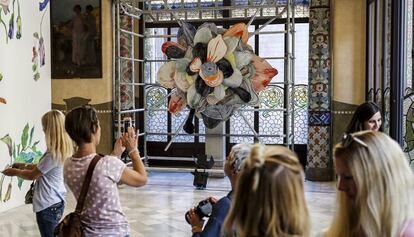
x: 319, y: 166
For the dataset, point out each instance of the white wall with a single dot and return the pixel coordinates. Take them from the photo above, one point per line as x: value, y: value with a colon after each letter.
x: 27, y: 99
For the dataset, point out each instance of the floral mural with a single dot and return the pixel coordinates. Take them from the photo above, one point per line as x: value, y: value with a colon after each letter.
x: 38, y: 50
x: 24, y: 152
x: 11, y: 14
x: 11, y: 20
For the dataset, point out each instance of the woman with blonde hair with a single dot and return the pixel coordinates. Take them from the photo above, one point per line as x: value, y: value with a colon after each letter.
x: 49, y: 191
x: 375, y: 188
x: 269, y: 197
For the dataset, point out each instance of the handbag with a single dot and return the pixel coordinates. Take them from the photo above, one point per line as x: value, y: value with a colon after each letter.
x: 28, y: 198
x: 71, y: 225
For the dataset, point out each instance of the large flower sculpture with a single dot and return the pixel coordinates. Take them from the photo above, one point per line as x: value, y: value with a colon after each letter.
x: 214, y: 71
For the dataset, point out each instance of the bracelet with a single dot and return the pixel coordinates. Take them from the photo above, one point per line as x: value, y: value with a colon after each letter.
x: 130, y: 152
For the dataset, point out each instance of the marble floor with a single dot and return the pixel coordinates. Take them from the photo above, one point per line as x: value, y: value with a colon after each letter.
x: 158, y: 208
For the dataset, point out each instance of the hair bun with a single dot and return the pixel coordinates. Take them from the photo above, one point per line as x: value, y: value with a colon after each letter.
x: 257, y: 157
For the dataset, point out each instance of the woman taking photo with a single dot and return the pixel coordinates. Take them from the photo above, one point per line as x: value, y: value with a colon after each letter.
x: 102, y: 213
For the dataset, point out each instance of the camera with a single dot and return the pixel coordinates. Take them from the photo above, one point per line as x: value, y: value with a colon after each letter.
x: 127, y: 123
x: 203, y: 209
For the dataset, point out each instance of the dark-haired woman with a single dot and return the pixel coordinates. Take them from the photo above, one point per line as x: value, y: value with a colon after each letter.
x: 102, y: 214
x: 366, y: 117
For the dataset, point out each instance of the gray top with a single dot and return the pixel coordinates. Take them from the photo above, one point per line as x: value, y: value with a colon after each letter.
x: 102, y: 214
x: 49, y: 188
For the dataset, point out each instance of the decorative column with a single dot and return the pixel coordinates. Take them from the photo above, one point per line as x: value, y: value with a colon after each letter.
x: 319, y: 143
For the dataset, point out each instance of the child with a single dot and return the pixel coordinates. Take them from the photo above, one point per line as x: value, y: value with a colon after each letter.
x: 49, y: 192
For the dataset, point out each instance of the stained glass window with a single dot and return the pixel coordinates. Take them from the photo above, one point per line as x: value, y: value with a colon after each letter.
x: 408, y: 104
x: 156, y: 119
x: 158, y: 11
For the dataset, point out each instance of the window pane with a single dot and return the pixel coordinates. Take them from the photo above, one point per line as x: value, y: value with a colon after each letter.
x: 201, y: 130
x: 301, y: 53
x: 239, y: 126
x: 153, y: 51
x: 271, y: 122
x: 301, y: 114
x: 156, y: 120
x: 272, y: 45
x: 408, y: 104
x: 177, y: 119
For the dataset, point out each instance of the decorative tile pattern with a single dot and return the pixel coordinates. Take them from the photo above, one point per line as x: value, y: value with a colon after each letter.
x: 319, y: 59
x: 319, y: 3
x: 319, y: 118
x: 319, y: 141
x: 318, y: 147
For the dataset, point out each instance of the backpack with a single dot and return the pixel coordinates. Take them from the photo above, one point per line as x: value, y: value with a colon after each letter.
x: 71, y: 225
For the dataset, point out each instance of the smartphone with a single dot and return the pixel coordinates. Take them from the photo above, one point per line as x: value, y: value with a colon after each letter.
x: 127, y: 123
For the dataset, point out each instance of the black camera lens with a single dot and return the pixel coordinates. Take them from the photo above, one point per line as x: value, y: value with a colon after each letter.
x: 203, y: 209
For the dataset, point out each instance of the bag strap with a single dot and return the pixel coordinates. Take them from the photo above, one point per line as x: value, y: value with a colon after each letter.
x: 85, y: 185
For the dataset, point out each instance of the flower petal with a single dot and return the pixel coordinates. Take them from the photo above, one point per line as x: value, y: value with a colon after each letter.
x: 231, y: 43
x: 238, y: 30
x: 177, y: 102
x: 195, y: 65
x: 234, y: 80
x: 203, y: 35
x: 216, y: 49
x: 181, y: 81
x: 193, y: 98
x: 165, y: 75
x: 219, y: 92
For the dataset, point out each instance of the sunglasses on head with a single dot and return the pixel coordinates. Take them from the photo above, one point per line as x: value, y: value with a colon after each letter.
x: 348, y: 138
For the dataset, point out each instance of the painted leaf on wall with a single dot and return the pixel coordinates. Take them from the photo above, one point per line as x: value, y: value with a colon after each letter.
x: 25, y: 136
x: 31, y: 135
x: 8, y: 141
x: 25, y: 152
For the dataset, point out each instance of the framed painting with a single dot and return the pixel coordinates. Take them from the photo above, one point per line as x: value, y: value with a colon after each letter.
x: 76, y: 39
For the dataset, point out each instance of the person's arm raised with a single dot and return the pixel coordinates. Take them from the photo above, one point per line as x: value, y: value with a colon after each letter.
x: 137, y: 176
x: 31, y: 174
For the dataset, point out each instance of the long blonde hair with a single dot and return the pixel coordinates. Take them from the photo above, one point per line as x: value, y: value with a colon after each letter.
x: 269, y: 197
x: 384, y: 183
x: 58, y: 142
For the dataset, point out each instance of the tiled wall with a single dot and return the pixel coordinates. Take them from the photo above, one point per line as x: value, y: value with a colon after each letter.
x: 319, y: 162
